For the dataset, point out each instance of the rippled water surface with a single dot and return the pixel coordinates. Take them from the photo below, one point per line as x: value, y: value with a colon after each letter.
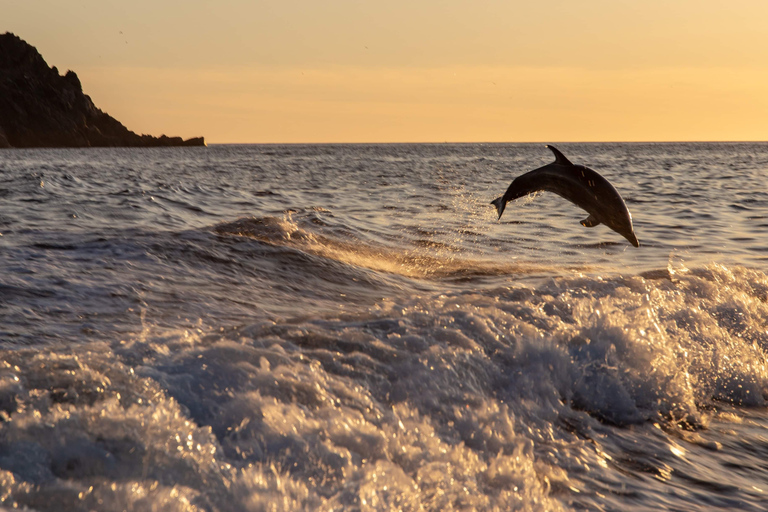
x: 349, y: 327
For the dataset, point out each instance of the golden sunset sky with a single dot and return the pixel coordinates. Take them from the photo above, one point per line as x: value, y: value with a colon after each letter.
x: 414, y: 71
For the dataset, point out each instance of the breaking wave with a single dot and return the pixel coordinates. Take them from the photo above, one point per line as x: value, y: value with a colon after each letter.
x: 458, y: 400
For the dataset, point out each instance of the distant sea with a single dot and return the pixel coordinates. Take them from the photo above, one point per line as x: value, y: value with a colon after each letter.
x: 349, y: 327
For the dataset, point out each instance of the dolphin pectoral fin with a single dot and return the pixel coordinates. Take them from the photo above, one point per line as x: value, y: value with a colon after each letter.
x: 500, y: 204
x: 590, y: 222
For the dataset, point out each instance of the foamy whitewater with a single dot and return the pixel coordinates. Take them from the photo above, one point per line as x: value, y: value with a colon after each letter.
x: 349, y: 327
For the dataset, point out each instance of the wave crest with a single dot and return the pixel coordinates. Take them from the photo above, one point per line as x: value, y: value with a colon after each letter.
x: 316, y: 233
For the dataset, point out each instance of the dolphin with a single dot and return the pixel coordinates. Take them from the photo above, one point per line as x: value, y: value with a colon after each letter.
x: 580, y: 185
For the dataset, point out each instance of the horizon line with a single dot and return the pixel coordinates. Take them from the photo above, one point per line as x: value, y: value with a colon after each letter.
x: 741, y: 141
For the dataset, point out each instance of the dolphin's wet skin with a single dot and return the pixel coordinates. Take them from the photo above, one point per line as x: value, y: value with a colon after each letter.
x: 580, y: 185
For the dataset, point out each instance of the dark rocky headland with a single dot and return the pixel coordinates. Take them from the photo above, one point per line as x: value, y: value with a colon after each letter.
x: 40, y: 108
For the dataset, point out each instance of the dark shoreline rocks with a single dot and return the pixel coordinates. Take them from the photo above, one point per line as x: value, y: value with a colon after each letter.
x: 40, y: 108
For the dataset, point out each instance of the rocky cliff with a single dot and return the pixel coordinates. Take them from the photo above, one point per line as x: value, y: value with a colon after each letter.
x: 40, y: 108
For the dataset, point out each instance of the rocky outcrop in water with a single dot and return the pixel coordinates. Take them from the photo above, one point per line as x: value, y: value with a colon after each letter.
x: 40, y: 108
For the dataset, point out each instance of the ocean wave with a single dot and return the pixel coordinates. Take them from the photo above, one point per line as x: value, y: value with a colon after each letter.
x: 317, y: 233
x: 482, y: 399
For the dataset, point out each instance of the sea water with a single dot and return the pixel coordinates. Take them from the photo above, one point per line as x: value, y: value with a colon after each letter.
x: 349, y: 327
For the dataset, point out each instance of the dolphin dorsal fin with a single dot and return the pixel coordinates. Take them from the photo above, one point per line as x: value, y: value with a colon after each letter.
x: 559, y: 157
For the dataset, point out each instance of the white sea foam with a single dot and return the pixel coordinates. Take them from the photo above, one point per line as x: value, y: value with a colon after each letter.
x: 451, y: 401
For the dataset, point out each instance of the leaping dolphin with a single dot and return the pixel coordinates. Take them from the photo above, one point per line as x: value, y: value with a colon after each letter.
x: 580, y: 185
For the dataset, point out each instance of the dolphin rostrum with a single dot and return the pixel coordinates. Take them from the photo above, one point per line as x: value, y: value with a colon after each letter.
x: 580, y: 185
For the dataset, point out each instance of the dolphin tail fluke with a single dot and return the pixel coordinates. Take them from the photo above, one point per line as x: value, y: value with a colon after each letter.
x: 500, y: 204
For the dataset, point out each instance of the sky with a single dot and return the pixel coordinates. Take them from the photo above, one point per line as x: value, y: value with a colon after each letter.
x: 306, y: 71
